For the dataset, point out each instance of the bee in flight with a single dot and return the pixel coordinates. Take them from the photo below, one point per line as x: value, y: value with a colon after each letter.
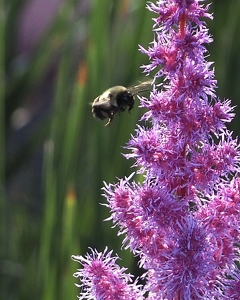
x: 116, y: 99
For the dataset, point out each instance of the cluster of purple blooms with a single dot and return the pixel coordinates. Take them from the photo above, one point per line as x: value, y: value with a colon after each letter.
x: 183, y: 220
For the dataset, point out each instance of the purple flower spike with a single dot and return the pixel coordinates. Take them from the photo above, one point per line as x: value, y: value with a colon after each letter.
x: 183, y: 220
x: 102, y: 279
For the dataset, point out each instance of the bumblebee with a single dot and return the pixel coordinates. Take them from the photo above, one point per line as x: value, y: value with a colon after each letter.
x: 116, y: 99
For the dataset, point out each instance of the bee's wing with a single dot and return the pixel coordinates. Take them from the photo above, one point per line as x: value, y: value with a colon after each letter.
x: 143, y: 86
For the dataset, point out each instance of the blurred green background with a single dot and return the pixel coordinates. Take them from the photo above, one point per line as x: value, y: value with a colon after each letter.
x: 56, y: 57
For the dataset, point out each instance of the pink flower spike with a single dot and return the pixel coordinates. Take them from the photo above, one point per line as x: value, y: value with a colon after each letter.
x: 101, y: 278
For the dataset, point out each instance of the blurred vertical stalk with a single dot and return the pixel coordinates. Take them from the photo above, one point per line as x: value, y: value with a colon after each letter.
x: 2, y: 130
x: 47, y: 269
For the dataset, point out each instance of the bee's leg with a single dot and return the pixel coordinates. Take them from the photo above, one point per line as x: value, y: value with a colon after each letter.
x: 131, y: 104
x: 109, y: 120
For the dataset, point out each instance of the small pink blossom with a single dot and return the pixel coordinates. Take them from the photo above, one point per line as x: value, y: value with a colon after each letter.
x: 102, y: 278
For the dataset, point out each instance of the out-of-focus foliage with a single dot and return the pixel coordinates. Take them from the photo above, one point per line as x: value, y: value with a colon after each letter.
x: 54, y: 155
